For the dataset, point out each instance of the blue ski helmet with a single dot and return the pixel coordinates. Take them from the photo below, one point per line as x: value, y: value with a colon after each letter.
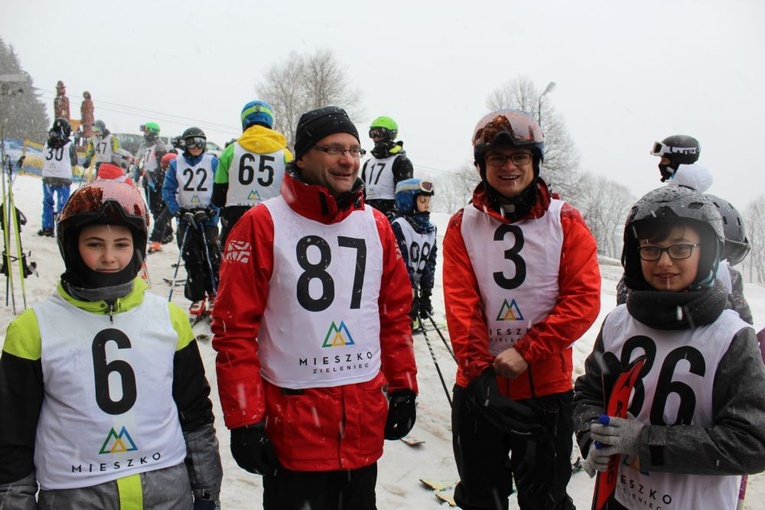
x: 257, y: 112
x: 407, y: 191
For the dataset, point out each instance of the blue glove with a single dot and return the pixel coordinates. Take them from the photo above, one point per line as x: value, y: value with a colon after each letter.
x: 617, y: 435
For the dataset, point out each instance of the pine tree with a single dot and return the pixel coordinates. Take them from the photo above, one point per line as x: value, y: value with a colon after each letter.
x: 22, y: 114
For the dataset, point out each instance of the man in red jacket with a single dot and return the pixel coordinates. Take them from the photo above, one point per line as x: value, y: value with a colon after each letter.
x: 521, y: 285
x: 311, y: 327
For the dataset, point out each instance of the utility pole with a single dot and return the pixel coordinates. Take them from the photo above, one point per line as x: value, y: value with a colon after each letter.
x: 550, y: 87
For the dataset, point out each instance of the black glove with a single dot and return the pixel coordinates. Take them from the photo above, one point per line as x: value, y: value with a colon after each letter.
x: 188, y: 218
x: 200, y: 216
x: 415, y: 310
x: 425, y: 306
x: 86, y: 163
x: 253, y: 451
x: 505, y: 414
x: 402, y: 413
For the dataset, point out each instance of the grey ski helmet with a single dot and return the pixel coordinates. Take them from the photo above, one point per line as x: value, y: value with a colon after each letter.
x: 673, y: 205
x: 736, y: 243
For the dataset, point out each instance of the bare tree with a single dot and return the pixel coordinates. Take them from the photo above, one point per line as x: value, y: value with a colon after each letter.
x: 604, y: 204
x: 561, y: 164
x: 304, y: 82
x: 455, y: 189
x: 754, y: 220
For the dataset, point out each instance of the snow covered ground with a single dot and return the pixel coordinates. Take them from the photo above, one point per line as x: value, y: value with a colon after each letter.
x: 402, y: 466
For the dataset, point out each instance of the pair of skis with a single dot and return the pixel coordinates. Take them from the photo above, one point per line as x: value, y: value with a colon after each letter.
x: 11, y: 222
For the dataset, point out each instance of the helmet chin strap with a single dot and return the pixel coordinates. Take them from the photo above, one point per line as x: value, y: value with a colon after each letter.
x: 667, y: 172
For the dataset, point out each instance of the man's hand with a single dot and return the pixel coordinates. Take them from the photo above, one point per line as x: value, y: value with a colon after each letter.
x: 402, y: 413
x: 253, y: 451
x: 510, y: 364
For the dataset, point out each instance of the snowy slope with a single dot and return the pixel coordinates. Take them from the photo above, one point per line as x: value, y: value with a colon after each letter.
x: 401, y: 466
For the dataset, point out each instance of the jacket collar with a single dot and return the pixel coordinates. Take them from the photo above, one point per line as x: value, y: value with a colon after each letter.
x: 316, y: 202
x: 483, y: 202
x: 133, y: 299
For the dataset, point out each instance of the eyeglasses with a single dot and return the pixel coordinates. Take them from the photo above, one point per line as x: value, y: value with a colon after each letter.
x: 675, y: 252
x: 518, y: 159
x: 196, y: 141
x: 355, y: 152
x: 378, y: 133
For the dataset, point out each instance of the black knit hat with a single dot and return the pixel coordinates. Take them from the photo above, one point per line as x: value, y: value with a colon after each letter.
x: 319, y: 123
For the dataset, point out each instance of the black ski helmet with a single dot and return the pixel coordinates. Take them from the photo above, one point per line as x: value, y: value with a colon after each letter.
x: 736, y: 243
x: 507, y: 128
x: 109, y: 202
x: 673, y: 205
x: 678, y: 149
x: 61, y: 129
x: 192, y: 136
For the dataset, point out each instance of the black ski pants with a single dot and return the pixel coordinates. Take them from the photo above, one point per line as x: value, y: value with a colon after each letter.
x: 321, y: 490
x: 489, y: 459
x: 200, y: 282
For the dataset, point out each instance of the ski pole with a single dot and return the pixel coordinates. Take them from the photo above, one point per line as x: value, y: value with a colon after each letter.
x: 9, y: 291
x: 178, y: 265
x: 446, y: 343
x: 435, y: 362
x: 209, y: 260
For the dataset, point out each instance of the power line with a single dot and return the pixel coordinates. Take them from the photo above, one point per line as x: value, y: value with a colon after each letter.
x: 131, y: 110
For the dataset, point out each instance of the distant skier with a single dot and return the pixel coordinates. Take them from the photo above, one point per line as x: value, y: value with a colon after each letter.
x: 387, y: 167
x: 416, y: 237
x: 251, y: 169
x: 187, y: 191
x: 102, y: 146
x: 59, y: 160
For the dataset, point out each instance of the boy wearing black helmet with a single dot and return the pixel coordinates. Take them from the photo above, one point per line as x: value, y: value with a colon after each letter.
x: 674, y: 151
x: 187, y: 192
x: 697, y: 415
x: 59, y: 160
x: 521, y: 285
x: 110, y: 404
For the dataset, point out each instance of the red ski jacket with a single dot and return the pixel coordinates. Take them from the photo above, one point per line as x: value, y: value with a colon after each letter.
x: 313, y: 429
x: 546, y: 347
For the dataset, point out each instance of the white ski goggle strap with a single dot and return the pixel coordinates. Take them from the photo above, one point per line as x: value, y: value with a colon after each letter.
x: 661, y: 150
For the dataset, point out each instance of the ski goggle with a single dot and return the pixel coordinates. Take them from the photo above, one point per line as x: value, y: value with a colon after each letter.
x: 378, y: 132
x: 114, y: 200
x: 519, y: 127
x: 195, y: 141
x: 661, y: 150
x: 422, y: 186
